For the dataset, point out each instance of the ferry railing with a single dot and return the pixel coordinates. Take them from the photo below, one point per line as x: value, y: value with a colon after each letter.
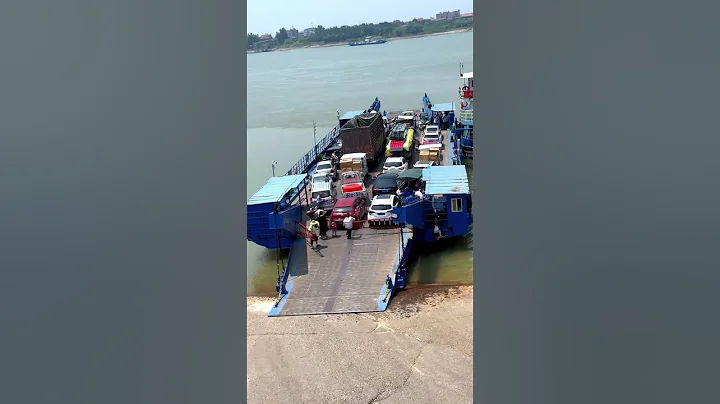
x: 310, y: 158
x: 466, y: 115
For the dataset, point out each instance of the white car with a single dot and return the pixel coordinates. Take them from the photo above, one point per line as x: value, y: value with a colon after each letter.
x: 423, y: 164
x: 325, y: 167
x: 398, y: 164
x: 407, y: 115
x: 318, y: 179
x: 381, y: 207
x: 432, y: 134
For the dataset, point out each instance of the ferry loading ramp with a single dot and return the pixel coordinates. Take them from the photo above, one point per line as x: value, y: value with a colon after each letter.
x: 341, y: 275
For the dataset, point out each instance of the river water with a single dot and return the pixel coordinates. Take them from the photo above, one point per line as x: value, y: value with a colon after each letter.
x: 289, y: 90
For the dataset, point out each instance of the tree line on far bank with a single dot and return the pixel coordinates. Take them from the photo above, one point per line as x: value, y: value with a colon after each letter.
x: 283, y: 38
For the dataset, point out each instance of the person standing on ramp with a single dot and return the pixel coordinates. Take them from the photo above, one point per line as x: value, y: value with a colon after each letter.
x: 349, y: 222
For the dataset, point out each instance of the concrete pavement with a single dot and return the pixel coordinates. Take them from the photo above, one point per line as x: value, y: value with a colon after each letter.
x: 419, y: 351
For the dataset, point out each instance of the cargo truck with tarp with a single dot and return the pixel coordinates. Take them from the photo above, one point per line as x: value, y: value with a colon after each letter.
x: 364, y: 133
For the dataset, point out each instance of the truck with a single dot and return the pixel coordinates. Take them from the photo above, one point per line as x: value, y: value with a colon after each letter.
x: 430, y: 153
x: 401, y: 141
x: 354, y: 163
x: 364, y: 133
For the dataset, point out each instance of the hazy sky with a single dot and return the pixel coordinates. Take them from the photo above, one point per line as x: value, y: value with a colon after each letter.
x: 268, y: 16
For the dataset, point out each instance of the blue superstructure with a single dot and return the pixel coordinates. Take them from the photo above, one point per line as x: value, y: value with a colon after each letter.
x: 464, y: 129
x: 273, y: 210
x: 445, y: 209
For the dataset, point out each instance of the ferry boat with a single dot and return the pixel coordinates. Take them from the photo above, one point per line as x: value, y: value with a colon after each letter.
x: 367, y: 41
x: 464, y: 128
x: 341, y: 275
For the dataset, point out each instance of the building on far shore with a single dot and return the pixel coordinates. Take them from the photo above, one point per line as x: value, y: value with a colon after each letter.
x: 467, y: 15
x: 292, y: 33
x: 447, y: 15
x: 308, y: 32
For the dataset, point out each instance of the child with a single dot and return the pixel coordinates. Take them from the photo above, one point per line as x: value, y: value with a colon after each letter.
x: 333, y: 227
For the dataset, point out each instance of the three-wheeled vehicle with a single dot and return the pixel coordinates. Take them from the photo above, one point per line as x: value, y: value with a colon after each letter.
x: 430, y: 152
x: 354, y: 162
x: 409, y: 182
x: 355, y: 189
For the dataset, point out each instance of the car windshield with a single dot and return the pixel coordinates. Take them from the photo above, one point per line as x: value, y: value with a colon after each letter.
x: 321, y: 194
x: 381, y: 207
x: 323, y: 166
x: 397, y: 135
x: 431, y: 131
x: 387, y: 182
x: 343, y: 209
x: 393, y: 164
x: 321, y: 178
x: 349, y: 178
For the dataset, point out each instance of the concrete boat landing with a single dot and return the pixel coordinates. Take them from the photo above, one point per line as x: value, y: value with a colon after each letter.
x: 341, y: 275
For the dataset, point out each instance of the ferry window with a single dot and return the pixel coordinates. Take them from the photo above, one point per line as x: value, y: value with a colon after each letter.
x: 439, y: 204
x: 456, y: 204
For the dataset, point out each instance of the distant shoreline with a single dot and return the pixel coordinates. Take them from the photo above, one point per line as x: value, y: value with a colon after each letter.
x: 454, y: 31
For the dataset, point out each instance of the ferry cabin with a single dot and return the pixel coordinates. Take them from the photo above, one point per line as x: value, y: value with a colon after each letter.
x: 443, y: 114
x: 445, y: 209
x: 464, y: 128
x: 273, y: 210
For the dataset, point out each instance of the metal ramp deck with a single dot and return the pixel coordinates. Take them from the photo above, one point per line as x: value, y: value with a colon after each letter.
x: 342, y: 276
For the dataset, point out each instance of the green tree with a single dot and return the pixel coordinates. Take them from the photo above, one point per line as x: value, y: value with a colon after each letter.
x: 281, y: 36
x: 252, y: 39
x: 414, y: 29
x: 386, y: 29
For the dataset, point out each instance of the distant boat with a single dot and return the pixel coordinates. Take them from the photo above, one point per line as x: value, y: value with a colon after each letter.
x: 367, y: 41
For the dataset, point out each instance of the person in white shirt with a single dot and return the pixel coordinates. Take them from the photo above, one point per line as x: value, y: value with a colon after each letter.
x: 348, y: 223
